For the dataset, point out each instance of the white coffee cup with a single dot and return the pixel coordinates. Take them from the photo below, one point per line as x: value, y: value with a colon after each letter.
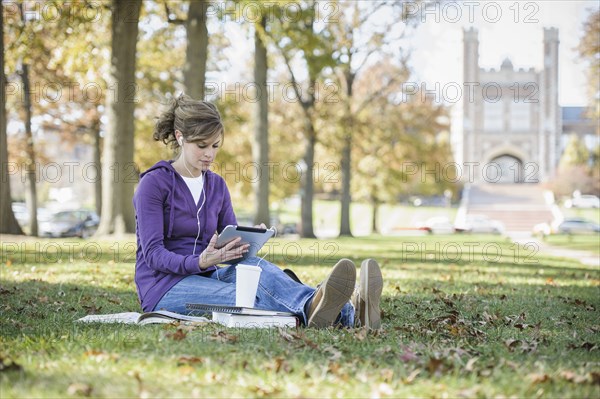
x: 246, y: 284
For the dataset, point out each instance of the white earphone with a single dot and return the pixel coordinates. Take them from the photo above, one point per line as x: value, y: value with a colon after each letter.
x: 202, y: 193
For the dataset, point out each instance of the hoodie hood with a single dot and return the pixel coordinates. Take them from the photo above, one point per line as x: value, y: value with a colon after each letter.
x: 172, y: 172
x: 173, y: 176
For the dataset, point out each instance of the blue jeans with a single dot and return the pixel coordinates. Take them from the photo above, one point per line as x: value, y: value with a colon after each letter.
x: 276, y: 291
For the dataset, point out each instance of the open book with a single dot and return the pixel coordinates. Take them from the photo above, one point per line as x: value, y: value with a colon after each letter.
x: 159, y: 316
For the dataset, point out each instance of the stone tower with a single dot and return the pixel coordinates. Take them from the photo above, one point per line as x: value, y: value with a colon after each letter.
x: 511, y: 118
x: 550, y: 117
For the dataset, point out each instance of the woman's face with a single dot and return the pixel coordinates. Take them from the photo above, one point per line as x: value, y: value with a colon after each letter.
x: 199, y: 154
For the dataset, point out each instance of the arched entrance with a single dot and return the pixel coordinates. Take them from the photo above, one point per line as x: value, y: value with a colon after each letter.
x: 505, y: 169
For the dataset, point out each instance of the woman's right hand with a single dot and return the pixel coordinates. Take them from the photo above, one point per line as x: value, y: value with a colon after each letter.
x: 212, y: 256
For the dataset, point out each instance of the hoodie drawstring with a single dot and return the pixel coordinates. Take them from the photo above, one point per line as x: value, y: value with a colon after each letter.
x: 170, y: 201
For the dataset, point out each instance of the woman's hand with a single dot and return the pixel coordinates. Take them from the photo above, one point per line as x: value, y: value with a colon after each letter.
x: 260, y: 226
x: 212, y: 256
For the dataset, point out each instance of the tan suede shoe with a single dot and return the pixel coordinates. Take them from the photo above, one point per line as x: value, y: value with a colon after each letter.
x: 368, y: 295
x: 332, y: 294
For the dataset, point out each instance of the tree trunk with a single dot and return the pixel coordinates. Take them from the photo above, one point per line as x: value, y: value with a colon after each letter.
x: 260, y: 147
x: 97, y: 164
x: 8, y: 222
x: 31, y: 192
x: 118, y: 170
x: 307, y: 189
x: 346, y: 198
x: 375, y: 204
x: 194, y: 70
x: 346, y: 161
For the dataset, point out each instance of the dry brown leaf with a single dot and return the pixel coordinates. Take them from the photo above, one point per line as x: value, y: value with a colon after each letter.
x: 387, y: 375
x: 434, y: 365
x: 79, y: 389
x: 223, y: 337
x: 9, y: 365
x: 335, y: 354
x: 178, y: 335
x: 470, y: 363
x: 538, y: 378
x: 408, y: 355
x: 411, y: 377
x: 361, y: 333
x: 188, y: 360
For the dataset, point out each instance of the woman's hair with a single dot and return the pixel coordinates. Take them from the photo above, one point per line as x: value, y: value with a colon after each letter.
x: 195, y: 119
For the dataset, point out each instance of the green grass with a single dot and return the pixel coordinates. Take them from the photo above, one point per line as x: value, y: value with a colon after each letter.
x: 391, y: 216
x: 463, y: 316
x: 592, y: 214
x: 581, y: 242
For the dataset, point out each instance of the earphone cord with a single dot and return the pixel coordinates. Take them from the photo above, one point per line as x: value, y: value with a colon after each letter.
x: 198, y: 219
x: 201, y: 193
x: 265, y: 255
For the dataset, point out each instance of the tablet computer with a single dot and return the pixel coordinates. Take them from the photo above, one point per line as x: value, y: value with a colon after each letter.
x: 254, y: 236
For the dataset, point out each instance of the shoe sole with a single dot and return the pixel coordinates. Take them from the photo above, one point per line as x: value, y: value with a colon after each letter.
x: 337, y: 290
x: 371, y: 286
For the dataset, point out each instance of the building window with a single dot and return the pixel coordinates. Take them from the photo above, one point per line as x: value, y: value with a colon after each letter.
x: 520, y: 116
x: 492, y: 116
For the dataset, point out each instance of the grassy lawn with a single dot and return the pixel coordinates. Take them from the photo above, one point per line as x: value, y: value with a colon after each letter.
x: 580, y: 242
x: 390, y: 218
x: 463, y: 317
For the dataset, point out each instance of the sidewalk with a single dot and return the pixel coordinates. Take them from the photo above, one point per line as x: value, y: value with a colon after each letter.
x: 585, y: 257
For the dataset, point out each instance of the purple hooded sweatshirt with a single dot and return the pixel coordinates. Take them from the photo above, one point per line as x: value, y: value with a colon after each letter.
x: 166, y: 228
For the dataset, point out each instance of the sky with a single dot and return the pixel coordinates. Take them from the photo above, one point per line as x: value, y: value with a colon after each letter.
x: 507, y: 29
x: 515, y: 32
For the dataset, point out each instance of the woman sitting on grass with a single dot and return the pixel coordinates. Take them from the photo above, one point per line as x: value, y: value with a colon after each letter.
x: 181, y: 205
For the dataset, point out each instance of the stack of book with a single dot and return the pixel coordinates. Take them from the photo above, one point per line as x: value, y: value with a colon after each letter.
x: 241, y: 317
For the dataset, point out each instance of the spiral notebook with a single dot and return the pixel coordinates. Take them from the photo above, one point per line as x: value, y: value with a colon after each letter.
x: 235, y: 310
x: 237, y: 316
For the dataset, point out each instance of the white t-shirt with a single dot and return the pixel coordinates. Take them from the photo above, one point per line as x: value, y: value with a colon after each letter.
x: 195, y: 184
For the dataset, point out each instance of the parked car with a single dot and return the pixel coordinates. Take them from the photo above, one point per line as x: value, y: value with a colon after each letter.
x: 21, y: 213
x: 583, y: 201
x: 577, y: 226
x: 79, y: 223
x: 438, y: 200
x: 437, y: 225
x: 475, y: 223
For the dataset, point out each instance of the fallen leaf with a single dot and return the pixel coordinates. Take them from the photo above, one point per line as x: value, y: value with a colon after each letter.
x: 9, y: 365
x: 187, y: 360
x: 223, y: 337
x: 511, y: 344
x: 178, y: 335
x: 387, y: 375
x: 335, y: 354
x: 361, y: 333
x: 588, y: 346
x: 408, y: 355
x: 521, y: 326
x: 573, y: 377
x: 470, y: 363
x: 538, y: 378
x: 434, y: 365
x: 411, y: 377
x: 79, y: 389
